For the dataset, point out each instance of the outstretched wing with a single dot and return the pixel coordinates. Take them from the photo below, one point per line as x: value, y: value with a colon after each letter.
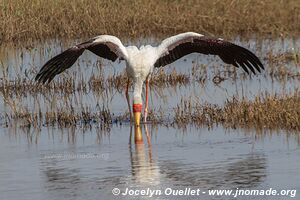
x: 105, y: 46
x: 175, y: 47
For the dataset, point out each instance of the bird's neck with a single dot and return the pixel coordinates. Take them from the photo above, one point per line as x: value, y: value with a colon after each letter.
x: 137, y: 91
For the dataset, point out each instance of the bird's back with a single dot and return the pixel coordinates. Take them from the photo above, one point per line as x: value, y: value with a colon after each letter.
x: 141, y: 60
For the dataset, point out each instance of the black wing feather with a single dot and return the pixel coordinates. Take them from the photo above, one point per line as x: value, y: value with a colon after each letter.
x: 66, y: 59
x: 58, y: 64
x: 103, y: 51
x: 230, y: 53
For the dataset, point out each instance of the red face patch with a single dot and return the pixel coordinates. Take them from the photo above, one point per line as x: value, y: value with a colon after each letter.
x: 137, y: 107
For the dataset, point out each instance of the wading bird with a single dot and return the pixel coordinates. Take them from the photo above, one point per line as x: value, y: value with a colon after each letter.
x: 140, y: 62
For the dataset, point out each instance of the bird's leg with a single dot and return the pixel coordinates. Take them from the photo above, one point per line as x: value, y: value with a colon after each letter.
x: 147, y: 100
x: 128, y: 99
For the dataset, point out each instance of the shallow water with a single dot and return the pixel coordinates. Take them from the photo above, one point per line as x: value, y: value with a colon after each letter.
x: 83, y: 162
x: 77, y: 164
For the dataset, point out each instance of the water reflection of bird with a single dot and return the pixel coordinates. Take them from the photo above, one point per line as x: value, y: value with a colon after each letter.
x: 144, y: 169
x: 140, y: 62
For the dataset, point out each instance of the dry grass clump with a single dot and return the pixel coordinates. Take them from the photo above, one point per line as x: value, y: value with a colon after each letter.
x: 161, y: 78
x: 266, y: 111
x: 38, y: 19
x: 283, y: 66
x: 285, y: 57
x: 67, y: 118
x: 59, y: 117
x: 24, y: 87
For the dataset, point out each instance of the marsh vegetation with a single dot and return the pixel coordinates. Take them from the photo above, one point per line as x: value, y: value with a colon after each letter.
x: 92, y: 93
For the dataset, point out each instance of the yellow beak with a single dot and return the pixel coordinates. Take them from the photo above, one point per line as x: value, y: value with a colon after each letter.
x: 137, y: 118
x: 137, y: 109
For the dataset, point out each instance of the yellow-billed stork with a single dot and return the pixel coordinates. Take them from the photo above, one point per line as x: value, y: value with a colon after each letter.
x: 140, y: 62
